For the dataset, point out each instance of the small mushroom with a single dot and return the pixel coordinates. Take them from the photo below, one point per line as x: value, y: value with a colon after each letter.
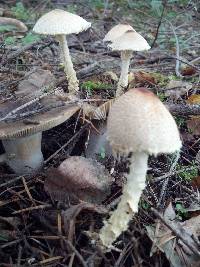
x: 126, y: 43
x: 82, y: 179
x: 117, y: 31
x: 140, y: 124
x: 61, y: 23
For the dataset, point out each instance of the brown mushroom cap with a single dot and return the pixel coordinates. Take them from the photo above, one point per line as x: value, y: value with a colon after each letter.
x: 117, y: 31
x: 139, y: 122
x: 82, y: 178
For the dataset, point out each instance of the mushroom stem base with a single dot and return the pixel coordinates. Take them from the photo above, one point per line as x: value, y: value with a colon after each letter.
x: 24, y: 155
x: 128, y: 205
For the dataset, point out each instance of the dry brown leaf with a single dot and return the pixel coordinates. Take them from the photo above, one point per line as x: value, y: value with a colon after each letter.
x: 188, y: 71
x: 78, y: 177
x: 194, y: 125
x: 193, y: 99
x: 144, y: 78
x: 175, y: 89
x: 34, y: 81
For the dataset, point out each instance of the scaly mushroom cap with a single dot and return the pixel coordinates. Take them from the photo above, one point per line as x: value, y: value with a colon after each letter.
x: 139, y: 122
x: 79, y: 177
x: 60, y: 22
x: 131, y: 41
x: 117, y: 31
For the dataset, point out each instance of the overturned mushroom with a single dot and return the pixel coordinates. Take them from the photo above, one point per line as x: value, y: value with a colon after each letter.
x: 21, y: 135
x: 138, y: 123
x: 61, y: 23
x: 21, y: 27
x: 81, y: 178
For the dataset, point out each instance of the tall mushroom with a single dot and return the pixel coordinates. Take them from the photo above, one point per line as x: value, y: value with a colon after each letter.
x: 140, y: 124
x: 126, y: 43
x: 61, y: 23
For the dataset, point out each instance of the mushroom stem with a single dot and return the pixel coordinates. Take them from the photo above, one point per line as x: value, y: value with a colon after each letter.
x: 123, y: 80
x: 73, y: 84
x: 24, y: 154
x: 128, y: 205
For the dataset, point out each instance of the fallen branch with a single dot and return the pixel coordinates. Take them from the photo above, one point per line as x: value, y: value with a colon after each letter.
x: 180, y: 232
x: 184, y: 109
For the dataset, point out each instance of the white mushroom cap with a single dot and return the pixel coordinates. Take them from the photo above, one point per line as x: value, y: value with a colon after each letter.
x: 60, y: 22
x: 130, y: 40
x: 139, y: 122
x: 117, y: 31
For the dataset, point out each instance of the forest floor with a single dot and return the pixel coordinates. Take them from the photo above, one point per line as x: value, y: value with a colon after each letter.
x: 38, y: 230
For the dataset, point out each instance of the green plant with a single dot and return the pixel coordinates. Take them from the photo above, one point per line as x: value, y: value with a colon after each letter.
x: 90, y: 86
x: 6, y: 28
x: 180, y: 121
x: 10, y: 40
x: 20, y: 12
x: 181, y: 211
x: 189, y: 173
x: 30, y: 38
x: 102, y: 153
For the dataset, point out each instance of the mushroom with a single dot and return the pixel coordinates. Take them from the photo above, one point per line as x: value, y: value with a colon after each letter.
x: 128, y: 42
x: 21, y: 137
x: 61, y: 23
x: 82, y: 179
x: 140, y: 124
x: 117, y: 31
x: 21, y: 27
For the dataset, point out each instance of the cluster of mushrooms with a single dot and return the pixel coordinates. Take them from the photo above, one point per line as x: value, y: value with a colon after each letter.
x: 138, y: 123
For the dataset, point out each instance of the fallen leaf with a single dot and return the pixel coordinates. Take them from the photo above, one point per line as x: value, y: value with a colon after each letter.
x: 194, y: 125
x: 78, y: 177
x: 33, y: 81
x: 193, y: 99
x: 145, y: 77
x: 178, y: 254
x: 188, y: 71
x: 175, y: 89
x: 196, y: 182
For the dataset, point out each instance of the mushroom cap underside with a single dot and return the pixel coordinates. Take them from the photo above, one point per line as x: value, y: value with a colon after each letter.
x: 37, y: 123
x: 60, y: 22
x: 117, y: 31
x: 139, y: 122
x: 130, y: 40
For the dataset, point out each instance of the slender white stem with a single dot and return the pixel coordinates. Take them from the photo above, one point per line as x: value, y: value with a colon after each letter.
x: 24, y: 154
x: 128, y: 205
x: 73, y: 84
x: 123, y: 80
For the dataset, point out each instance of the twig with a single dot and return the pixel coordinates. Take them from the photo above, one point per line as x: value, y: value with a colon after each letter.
x: 32, y: 208
x: 165, y: 184
x: 178, y: 74
x: 180, y: 232
x: 66, y: 144
x: 160, y: 21
x: 79, y: 256
x: 19, y: 52
x: 184, y: 109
